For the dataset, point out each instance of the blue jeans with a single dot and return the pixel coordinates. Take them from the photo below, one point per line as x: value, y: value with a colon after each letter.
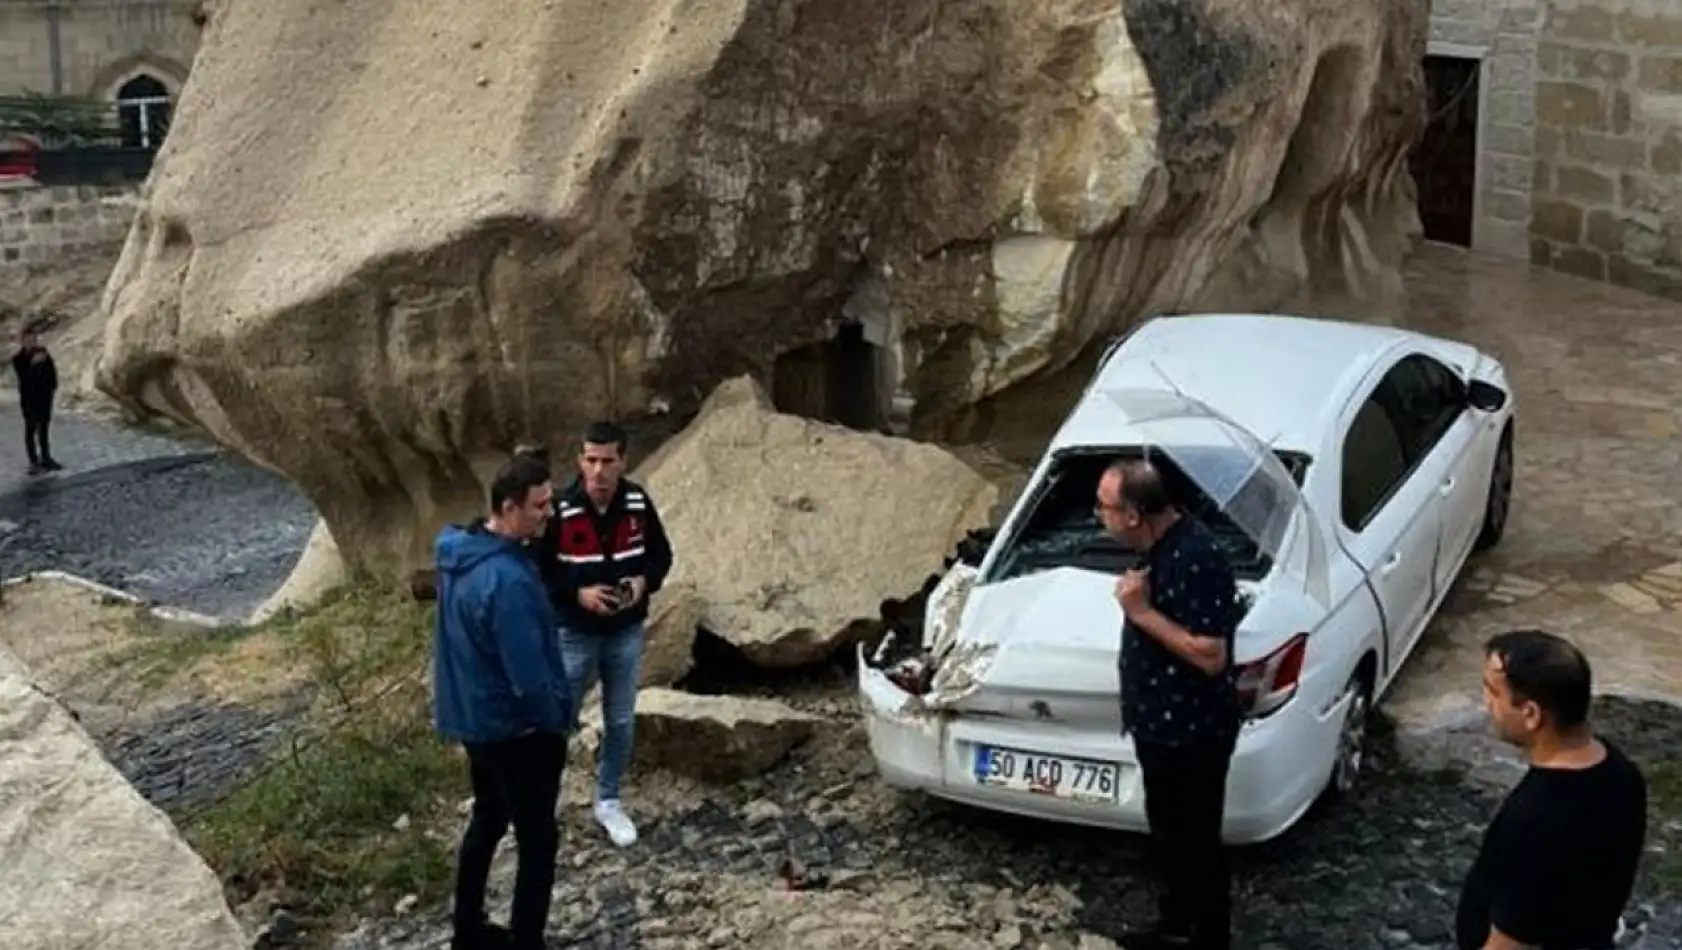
x: 614, y: 660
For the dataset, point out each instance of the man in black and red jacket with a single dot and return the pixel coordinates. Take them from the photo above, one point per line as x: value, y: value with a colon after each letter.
x: 604, y: 552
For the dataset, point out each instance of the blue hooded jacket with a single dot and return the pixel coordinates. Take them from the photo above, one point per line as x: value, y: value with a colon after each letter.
x: 498, y: 671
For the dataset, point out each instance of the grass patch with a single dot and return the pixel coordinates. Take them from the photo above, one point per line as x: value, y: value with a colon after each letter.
x: 1664, y: 824
x: 317, y: 828
x: 163, y: 649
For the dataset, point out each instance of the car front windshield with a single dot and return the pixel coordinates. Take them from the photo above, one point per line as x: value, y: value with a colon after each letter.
x: 1062, y: 529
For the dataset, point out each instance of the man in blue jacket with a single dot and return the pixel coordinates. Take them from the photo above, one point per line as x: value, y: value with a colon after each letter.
x: 500, y: 689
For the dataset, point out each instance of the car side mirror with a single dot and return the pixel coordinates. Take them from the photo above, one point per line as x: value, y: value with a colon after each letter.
x: 1486, y: 397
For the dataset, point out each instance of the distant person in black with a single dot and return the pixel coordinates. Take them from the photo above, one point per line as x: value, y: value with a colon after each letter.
x: 1178, y: 699
x: 1558, y: 861
x: 37, y: 379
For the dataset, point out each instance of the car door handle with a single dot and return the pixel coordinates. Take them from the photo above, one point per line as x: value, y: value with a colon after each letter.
x: 1446, y: 488
x: 1390, y: 565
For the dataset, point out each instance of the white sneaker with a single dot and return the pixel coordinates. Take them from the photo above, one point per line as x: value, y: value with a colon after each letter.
x: 618, y: 824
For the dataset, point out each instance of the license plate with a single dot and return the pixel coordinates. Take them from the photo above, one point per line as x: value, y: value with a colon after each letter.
x: 1058, y: 776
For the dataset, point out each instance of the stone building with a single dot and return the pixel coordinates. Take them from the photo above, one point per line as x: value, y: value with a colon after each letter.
x: 1578, y: 145
x: 131, y: 53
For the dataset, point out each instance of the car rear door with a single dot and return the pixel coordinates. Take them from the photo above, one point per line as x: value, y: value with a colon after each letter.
x: 1391, y: 516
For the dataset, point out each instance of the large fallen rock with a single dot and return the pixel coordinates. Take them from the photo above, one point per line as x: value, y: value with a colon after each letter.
x: 674, y: 617
x: 89, y: 863
x: 715, y: 738
x: 382, y: 246
x: 795, y: 531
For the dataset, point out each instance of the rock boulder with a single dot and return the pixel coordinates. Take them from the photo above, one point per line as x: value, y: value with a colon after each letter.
x: 384, y: 243
x: 674, y: 616
x: 89, y: 863
x: 714, y: 738
x: 795, y: 531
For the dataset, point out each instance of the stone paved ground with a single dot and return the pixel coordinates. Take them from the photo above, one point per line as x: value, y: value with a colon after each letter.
x: 1594, y: 548
x: 162, y: 516
x: 81, y: 443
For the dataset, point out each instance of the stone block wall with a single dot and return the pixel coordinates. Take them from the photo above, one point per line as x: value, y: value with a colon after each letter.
x: 1608, y: 173
x: 38, y: 224
x: 1505, y: 33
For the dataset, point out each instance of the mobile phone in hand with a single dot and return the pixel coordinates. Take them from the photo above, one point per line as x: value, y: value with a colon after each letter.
x: 625, y: 591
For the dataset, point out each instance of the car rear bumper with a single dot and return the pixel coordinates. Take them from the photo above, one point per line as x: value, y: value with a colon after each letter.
x: 1278, y: 767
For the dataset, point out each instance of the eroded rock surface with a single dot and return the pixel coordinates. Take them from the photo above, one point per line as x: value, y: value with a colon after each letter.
x: 383, y: 244
x: 88, y: 861
x: 794, y: 532
x: 715, y: 738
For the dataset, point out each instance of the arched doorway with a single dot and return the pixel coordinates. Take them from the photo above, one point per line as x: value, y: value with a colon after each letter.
x: 144, y: 108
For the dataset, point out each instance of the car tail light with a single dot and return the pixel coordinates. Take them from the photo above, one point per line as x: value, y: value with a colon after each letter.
x: 1267, y: 684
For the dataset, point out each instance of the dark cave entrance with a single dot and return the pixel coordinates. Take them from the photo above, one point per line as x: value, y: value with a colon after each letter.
x: 1445, y: 161
x: 843, y: 380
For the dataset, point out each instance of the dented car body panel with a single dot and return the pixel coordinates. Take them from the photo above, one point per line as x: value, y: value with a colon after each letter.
x: 1019, y: 655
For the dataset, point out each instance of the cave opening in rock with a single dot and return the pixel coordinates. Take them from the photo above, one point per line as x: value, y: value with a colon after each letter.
x: 1445, y: 160
x: 844, y: 379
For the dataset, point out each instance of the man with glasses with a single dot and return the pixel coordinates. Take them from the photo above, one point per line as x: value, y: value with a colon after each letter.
x: 1179, y: 699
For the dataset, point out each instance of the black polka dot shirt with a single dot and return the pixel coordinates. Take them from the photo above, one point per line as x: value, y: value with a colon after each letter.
x: 1164, y: 699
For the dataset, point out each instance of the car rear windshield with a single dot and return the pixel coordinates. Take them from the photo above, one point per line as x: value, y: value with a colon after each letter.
x: 1062, y: 528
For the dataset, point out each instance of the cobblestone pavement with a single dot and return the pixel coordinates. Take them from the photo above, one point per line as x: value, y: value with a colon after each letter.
x: 1380, y: 872
x: 81, y: 443
x: 1594, y: 547
x: 165, y: 517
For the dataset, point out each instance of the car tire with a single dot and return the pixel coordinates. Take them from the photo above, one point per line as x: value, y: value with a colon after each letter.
x: 1350, y: 755
x: 1498, y: 507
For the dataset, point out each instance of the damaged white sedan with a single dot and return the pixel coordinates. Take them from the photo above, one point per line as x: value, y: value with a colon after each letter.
x: 1349, y: 471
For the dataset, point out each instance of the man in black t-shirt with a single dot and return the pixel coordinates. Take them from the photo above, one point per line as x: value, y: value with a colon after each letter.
x: 1559, y: 859
x: 1179, y: 700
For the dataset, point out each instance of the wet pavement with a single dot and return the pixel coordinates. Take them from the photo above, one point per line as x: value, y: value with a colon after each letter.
x: 164, y: 517
x: 1593, y: 550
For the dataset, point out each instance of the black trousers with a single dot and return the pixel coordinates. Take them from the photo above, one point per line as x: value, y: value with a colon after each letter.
x: 1185, y: 799
x: 37, y: 420
x: 515, y: 782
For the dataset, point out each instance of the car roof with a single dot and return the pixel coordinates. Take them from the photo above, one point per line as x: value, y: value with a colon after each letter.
x: 1284, y: 378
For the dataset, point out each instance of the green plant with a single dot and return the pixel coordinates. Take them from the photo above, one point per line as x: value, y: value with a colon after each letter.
x: 320, y: 823
x: 58, y: 121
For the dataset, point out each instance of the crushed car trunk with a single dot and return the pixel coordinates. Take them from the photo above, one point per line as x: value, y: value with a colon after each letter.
x: 1036, y: 637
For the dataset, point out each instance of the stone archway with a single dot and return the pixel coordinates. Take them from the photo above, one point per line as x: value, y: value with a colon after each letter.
x: 144, y: 110
x: 162, y: 68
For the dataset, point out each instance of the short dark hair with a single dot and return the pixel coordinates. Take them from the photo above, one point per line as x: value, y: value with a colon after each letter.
x: 515, y: 480
x: 1547, y: 670
x: 1142, y: 486
x: 607, y: 433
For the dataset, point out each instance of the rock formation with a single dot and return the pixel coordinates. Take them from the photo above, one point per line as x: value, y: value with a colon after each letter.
x: 794, y: 532
x: 319, y: 571
x: 715, y: 738
x: 383, y: 243
x: 88, y: 861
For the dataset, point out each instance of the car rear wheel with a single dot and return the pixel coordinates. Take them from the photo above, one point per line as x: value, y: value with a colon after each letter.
x: 1351, y: 739
x: 1500, y: 503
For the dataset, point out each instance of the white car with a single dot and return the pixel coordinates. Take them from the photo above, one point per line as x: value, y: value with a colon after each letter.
x: 1349, y: 471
